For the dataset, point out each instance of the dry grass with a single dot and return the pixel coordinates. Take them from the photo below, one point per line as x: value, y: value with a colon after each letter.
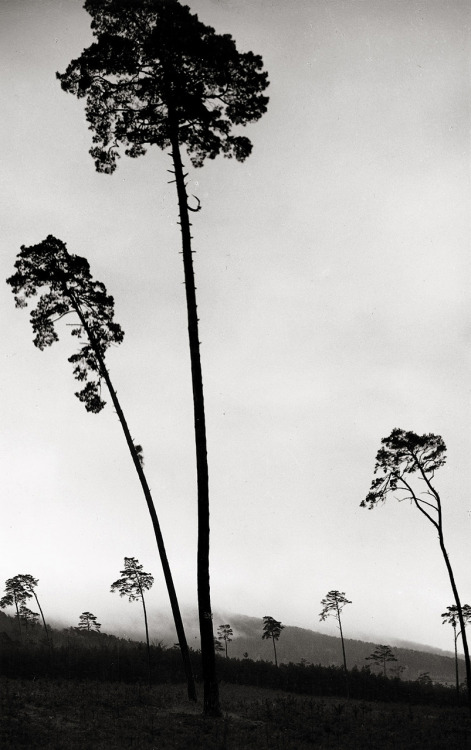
x: 69, y: 715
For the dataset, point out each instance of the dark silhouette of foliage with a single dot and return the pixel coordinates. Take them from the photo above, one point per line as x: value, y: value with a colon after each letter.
x: 15, y: 595
x: 68, y: 287
x: 224, y: 634
x: 451, y: 617
x: 18, y: 590
x: 333, y: 604
x: 158, y: 76
x: 132, y: 583
x: 88, y: 622
x: 381, y: 656
x: 406, y: 465
x: 27, y: 616
x: 272, y: 629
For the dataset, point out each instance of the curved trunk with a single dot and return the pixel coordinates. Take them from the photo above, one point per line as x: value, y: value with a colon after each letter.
x: 44, y: 621
x: 208, y: 657
x: 150, y: 504
x: 274, y: 649
x: 460, y: 616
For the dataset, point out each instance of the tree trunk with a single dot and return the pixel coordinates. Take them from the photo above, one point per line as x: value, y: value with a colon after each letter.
x: 150, y: 504
x: 344, y: 657
x: 460, y: 616
x: 211, y: 690
x: 147, y: 634
x: 274, y: 649
x: 18, y: 616
x: 457, y: 676
x: 44, y: 621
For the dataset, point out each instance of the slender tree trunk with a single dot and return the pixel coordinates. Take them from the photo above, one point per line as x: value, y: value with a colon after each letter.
x: 18, y: 616
x: 460, y: 616
x: 274, y: 649
x: 42, y: 616
x: 147, y: 635
x: 150, y: 504
x: 457, y: 676
x: 344, y: 657
x: 211, y: 689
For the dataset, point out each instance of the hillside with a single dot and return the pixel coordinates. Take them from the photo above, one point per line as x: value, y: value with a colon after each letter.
x: 296, y: 644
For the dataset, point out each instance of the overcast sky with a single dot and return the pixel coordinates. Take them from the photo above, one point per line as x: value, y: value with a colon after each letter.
x: 333, y: 272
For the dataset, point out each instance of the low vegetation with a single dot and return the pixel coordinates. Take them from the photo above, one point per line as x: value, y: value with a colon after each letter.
x: 91, y: 690
x: 61, y: 714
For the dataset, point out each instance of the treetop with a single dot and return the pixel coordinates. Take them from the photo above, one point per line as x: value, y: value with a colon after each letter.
x: 156, y: 69
x: 404, y: 453
x: 68, y: 287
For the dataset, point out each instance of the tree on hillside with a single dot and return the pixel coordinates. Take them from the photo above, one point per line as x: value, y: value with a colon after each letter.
x: 332, y: 605
x: 225, y: 634
x: 14, y: 596
x: 158, y: 76
x: 381, y: 656
x: 88, y: 622
x: 68, y: 287
x: 272, y: 629
x: 406, y: 465
x: 132, y: 583
x: 218, y: 647
x: 29, y: 586
x: 451, y: 617
x: 27, y: 616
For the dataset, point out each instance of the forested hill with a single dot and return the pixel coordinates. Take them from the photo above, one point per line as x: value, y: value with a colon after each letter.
x: 296, y: 644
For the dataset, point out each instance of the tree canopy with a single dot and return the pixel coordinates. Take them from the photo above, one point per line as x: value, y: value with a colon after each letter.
x: 68, y: 287
x: 133, y: 581
x: 405, y: 454
x: 155, y: 67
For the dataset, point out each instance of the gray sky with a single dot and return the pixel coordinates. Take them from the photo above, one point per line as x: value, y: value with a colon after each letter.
x: 333, y: 285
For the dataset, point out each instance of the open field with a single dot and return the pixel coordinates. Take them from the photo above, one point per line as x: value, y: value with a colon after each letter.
x: 81, y: 715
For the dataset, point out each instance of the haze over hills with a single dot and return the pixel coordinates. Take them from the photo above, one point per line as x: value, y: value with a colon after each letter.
x: 296, y: 644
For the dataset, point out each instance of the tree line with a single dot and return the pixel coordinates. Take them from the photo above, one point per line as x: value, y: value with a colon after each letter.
x: 79, y: 654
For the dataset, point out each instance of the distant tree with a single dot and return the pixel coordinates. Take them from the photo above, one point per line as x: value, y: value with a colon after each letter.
x: 245, y: 655
x: 333, y: 604
x: 424, y: 678
x: 380, y: 656
x: 272, y: 629
x: 27, y: 616
x: 88, y: 622
x: 397, y: 671
x: 132, y: 583
x: 224, y: 634
x: 158, y: 76
x: 405, y: 463
x: 15, y: 595
x: 29, y: 586
x: 451, y: 617
x: 69, y: 288
x: 218, y: 647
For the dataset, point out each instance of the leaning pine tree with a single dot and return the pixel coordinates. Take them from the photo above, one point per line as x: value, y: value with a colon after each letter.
x: 405, y: 468
x: 158, y: 76
x: 68, y: 288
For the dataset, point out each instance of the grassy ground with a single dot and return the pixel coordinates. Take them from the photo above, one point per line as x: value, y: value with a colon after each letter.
x: 67, y: 715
